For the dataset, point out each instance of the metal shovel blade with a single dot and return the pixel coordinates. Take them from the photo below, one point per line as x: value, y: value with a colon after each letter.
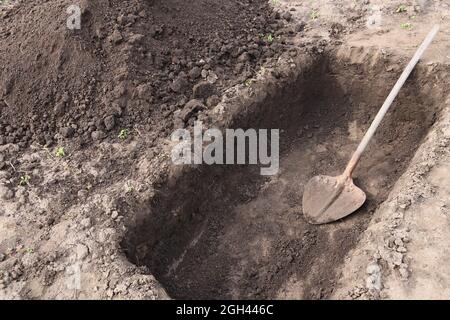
x: 327, y: 199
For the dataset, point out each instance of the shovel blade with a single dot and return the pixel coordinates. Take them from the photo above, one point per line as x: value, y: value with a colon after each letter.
x: 327, y: 199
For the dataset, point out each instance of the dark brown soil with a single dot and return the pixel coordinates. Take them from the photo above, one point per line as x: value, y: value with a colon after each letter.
x: 132, y: 64
x: 226, y: 232
x: 210, y: 232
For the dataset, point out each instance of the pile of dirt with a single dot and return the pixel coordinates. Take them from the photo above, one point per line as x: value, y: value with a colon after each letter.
x: 134, y: 63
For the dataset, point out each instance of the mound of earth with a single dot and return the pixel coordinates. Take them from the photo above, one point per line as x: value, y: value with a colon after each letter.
x: 134, y: 63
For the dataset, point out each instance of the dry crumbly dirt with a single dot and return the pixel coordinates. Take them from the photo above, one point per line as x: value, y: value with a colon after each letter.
x: 133, y: 226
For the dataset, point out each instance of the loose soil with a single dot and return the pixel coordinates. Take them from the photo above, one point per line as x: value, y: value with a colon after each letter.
x: 119, y: 213
x: 131, y: 64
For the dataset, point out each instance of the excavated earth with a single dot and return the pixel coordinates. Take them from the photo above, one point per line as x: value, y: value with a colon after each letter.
x: 115, y: 218
x: 129, y: 64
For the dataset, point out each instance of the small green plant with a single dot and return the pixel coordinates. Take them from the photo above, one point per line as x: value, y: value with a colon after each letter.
x: 401, y: 8
x: 60, y: 152
x: 24, y: 180
x: 267, y: 37
x: 406, y: 26
x: 29, y: 250
x: 275, y: 2
x: 314, y: 15
x: 123, y: 134
x: 129, y: 188
x: 248, y: 82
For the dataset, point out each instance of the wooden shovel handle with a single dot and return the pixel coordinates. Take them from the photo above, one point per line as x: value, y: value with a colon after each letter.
x: 386, y: 105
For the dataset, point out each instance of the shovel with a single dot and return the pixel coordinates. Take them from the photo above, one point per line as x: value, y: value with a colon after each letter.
x: 327, y: 199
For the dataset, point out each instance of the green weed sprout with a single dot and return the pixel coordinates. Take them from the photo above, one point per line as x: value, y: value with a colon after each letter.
x: 401, y: 8
x: 60, y: 152
x: 314, y: 15
x: 406, y: 26
x: 24, y: 180
x: 123, y: 134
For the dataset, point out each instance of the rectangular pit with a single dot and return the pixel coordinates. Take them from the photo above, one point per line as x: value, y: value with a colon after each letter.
x: 227, y: 232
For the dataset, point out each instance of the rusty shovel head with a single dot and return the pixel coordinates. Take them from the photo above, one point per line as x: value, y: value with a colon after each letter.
x: 327, y: 199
